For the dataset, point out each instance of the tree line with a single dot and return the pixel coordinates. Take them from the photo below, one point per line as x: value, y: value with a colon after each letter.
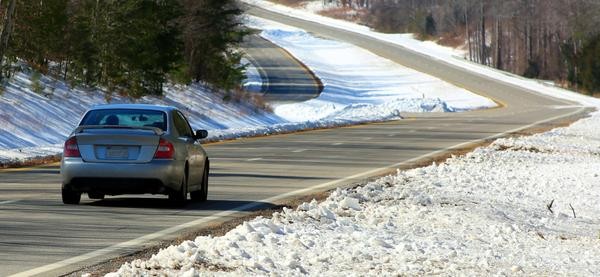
x: 548, y: 39
x: 128, y: 46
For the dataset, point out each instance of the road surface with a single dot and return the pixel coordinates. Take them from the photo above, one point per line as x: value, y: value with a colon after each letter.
x: 285, y: 79
x: 40, y: 235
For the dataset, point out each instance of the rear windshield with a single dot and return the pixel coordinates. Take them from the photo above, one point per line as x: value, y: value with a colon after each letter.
x: 125, y: 117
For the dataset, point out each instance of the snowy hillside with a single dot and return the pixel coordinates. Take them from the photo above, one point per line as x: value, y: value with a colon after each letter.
x: 36, y: 124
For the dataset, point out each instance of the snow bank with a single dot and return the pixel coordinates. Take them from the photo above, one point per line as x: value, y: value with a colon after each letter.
x: 360, y: 84
x: 485, y: 213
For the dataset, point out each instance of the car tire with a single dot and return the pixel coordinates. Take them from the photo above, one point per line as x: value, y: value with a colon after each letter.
x: 95, y: 195
x: 202, y: 194
x: 70, y: 197
x: 179, y: 198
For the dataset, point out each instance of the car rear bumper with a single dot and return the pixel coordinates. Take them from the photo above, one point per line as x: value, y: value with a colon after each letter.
x: 157, y: 176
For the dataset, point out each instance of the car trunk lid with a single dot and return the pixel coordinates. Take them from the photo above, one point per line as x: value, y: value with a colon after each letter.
x: 117, y: 144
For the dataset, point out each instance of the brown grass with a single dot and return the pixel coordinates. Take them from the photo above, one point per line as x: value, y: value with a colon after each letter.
x: 36, y: 161
x: 452, y: 40
x: 255, y: 100
x: 291, y: 3
x: 520, y: 148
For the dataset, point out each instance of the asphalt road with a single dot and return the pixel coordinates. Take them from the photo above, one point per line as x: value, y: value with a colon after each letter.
x: 285, y: 79
x: 40, y: 235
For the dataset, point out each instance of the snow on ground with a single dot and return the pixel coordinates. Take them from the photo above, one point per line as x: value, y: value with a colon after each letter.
x: 363, y: 88
x: 360, y: 84
x: 318, y: 6
x: 484, y: 213
x: 428, y: 48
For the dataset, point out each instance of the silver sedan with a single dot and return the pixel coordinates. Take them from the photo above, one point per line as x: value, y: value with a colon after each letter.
x: 134, y: 149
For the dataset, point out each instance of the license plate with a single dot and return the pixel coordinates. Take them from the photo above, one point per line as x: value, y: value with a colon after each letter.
x: 117, y: 152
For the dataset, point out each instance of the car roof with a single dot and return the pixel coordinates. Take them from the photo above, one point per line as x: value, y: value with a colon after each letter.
x: 134, y: 107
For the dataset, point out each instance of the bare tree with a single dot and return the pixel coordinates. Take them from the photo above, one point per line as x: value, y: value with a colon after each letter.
x: 7, y: 26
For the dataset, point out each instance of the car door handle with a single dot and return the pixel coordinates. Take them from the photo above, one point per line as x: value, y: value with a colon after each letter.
x: 186, y: 139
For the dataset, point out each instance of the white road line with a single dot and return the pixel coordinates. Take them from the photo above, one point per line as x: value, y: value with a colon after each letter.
x: 312, y: 159
x: 337, y: 143
x: 254, y: 159
x: 144, y: 239
x: 8, y: 202
x: 299, y: 150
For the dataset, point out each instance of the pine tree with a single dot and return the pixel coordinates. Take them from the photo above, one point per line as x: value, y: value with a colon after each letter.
x: 38, y: 34
x: 81, y: 64
x: 129, y: 46
x: 590, y: 65
x: 211, y: 31
x: 141, y: 45
x: 6, y: 32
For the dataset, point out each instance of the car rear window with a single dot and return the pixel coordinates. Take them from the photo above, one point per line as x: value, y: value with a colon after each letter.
x: 126, y: 117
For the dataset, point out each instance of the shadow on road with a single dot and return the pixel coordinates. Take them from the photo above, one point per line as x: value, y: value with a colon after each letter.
x: 248, y: 175
x: 164, y: 203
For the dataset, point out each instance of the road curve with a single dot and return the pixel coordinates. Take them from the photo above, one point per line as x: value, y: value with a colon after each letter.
x: 285, y: 79
x: 515, y: 98
x: 39, y: 235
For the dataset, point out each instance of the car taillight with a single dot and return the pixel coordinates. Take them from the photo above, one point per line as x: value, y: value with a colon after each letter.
x: 165, y: 150
x: 71, y: 149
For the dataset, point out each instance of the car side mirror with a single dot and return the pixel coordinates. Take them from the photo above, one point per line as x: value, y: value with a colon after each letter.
x: 200, y: 134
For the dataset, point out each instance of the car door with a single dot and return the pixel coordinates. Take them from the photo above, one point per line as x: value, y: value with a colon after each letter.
x: 199, y: 156
x: 186, y: 137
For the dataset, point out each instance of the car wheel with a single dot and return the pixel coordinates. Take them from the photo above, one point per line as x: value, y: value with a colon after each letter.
x: 70, y: 197
x: 202, y: 194
x: 178, y: 198
x: 95, y: 195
